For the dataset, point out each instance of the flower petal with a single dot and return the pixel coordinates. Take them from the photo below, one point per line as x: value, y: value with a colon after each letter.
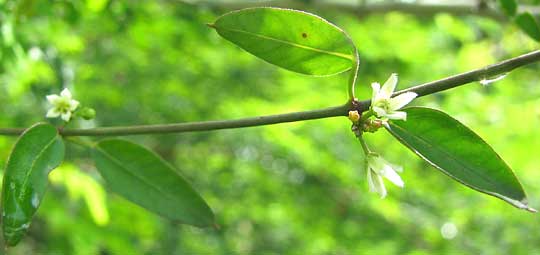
x: 398, y: 102
x: 376, y: 89
x: 52, y: 113
x: 52, y: 98
x: 392, y: 176
x: 396, y: 115
x: 73, y: 104
x: 379, y: 111
x: 389, y: 86
x: 375, y: 162
x: 66, y: 116
x: 396, y: 168
x: 376, y: 183
x: 65, y: 93
x: 371, y: 181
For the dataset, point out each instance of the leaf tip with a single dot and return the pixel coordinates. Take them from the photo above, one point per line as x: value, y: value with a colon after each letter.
x: 523, y: 204
x: 529, y: 209
x: 211, y: 25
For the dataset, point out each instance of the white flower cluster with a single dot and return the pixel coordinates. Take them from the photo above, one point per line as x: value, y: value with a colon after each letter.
x: 384, y: 108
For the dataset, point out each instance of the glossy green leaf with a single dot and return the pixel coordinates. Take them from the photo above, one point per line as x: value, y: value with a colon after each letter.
x: 508, y: 6
x: 38, y: 151
x: 144, y: 178
x: 294, y: 40
x: 528, y: 24
x: 458, y: 152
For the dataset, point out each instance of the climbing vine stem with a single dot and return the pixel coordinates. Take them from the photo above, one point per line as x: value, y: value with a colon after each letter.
x: 341, y: 110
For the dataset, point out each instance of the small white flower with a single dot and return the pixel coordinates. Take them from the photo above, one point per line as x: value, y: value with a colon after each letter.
x: 386, y: 107
x: 63, y: 105
x: 377, y: 167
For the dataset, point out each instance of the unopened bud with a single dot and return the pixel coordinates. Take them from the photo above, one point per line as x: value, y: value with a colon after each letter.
x: 354, y: 116
x: 87, y: 113
x: 372, y: 125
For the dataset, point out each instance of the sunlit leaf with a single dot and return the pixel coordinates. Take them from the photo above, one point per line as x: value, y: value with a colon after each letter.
x: 144, y: 178
x: 294, y: 40
x: 528, y: 24
x: 39, y: 150
x: 458, y: 152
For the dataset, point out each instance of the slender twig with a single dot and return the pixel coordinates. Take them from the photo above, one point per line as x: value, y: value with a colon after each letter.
x: 487, y: 72
x: 11, y: 131
x: 342, y: 110
x: 210, y: 125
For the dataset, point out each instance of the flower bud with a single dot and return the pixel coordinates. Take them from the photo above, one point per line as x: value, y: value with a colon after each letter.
x: 354, y: 116
x: 372, y: 125
x: 87, y: 113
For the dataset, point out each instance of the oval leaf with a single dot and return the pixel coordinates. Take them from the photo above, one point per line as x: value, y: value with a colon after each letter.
x: 528, y: 24
x: 144, y: 178
x: 458, y: 152
x: 294, y: 40
x: 38, y: 151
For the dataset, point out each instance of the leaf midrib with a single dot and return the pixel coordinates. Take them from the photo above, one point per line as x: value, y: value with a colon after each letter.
x: 32, y: 166
x: 332, y: 53
x: 458, y: 161
x: 116, y: 162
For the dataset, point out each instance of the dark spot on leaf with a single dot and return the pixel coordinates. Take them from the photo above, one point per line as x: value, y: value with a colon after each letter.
x: 304, y: 35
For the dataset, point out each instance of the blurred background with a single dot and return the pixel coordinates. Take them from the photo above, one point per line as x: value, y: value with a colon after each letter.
x: 296, y: 188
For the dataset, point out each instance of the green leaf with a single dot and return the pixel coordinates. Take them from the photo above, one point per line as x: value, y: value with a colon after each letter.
x: 528, y: 24
x: 38, y: 151
x: 294, y: 40
x: 144, y: 178
x: 458, y: 152
x: 508, y: 6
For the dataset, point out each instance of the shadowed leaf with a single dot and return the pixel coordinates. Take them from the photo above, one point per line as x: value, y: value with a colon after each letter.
x: 144, y: 178
x: 528, y: 24
x: 38, y: 151
x: 458, y: 152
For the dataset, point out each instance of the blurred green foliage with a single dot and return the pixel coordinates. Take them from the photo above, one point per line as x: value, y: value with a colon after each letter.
x: 295, y: 188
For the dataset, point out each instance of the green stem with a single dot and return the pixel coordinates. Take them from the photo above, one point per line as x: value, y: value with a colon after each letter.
x: 497, y: 69
x: 342, y: 110
x: 364, y: 145
x: 336, y: 111
x: 366, y: 115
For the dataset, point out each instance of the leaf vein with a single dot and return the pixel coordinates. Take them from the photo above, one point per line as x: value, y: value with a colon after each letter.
x: 332, y: 53
x: 482, y: 176
x: 118, y: 163
x: 32, y: 166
